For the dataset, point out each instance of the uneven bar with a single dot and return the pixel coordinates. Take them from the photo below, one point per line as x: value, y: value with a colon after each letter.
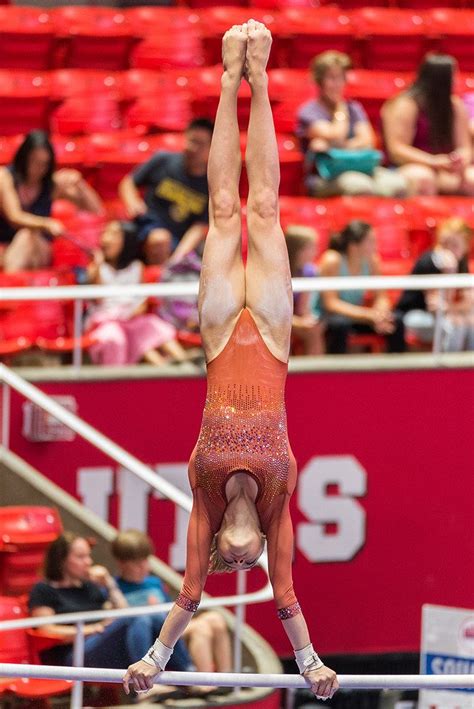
x: 88, y: 674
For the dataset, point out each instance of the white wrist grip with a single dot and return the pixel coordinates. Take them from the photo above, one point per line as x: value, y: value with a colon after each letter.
x: 158, y: 655
x: 307, y: 658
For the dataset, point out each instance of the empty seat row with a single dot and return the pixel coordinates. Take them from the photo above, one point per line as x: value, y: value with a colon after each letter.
x: 157, y: 37
x: 82, y: 101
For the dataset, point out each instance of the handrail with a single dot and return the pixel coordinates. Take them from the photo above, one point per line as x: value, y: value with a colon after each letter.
x: 175, y: 290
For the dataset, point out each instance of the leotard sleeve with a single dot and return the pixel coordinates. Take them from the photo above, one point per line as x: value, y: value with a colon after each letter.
x: 279, y: 530
x: 197, y: 554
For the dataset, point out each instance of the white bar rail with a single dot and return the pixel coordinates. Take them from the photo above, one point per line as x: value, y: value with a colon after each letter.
x: 176, y: 290
x: 242, y: 679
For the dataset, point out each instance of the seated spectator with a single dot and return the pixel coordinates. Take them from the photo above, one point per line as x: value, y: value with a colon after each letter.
x: 301, y: 242
x: 206, y: 636
x: 173, y: 217
x: 124, y: 333
x: 449, y: 255
x: 426, y: 132
x: 352, y: 252
x: 73, y: 585
x: 27, y: 189
x: 331, y: 121
x: 469, y: 103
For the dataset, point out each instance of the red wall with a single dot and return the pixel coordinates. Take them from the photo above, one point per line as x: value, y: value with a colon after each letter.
x: 411, y: 432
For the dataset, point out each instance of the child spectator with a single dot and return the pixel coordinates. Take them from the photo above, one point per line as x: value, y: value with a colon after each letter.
x: 449, y: 255
x: 426, y: 132
x: 124, y: 333
x: 352, y: 252
x: 331, y: 121
x: 173, y: 217
x: 27, y: 189
x: 206, y: 636
x: 301, y: 242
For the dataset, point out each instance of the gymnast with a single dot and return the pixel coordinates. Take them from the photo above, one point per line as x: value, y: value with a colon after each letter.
x: 242, y: 471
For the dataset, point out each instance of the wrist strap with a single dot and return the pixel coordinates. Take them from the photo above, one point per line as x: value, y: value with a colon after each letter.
x: 307, y: 659
x: 158, y: 655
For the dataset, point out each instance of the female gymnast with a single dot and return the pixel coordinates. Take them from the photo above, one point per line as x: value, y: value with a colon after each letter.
x: 242, y: 471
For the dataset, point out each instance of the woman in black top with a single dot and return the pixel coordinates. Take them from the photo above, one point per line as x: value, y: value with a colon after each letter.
x: 73, y: 585
x: 449, y: 255
x: 27, y: 189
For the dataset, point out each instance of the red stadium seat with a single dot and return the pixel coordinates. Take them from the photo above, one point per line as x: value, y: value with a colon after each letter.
x: 315, y: 30
x: 8, y: 146
x: 205, y: 87
x: 70, y: 151
x: 25, y: 533
x: 14, y: 648
x: 71, y: 83
x: 169, y: 50
x: 372, y: 88
x: 93, y: 37
x: 115, y: 155
x: 428, y: 4
x: 150, y: 21
x: 25, y: 101
x: 174, y: 112
x: 75, y: 116
x: 290, y: 84
x: 393, y: 40
x: 136, y: 83
x: 284, y: 115
x: 308, y: 212
x: 26, y: 39
x: 454, y: 30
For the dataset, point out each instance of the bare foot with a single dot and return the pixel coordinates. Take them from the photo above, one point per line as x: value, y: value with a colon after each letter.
x: 259, y: 43
x: 234, y: 45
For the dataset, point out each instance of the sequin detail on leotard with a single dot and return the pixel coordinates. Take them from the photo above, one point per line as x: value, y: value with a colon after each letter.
x: 186, y: 603
x: 243, y: 428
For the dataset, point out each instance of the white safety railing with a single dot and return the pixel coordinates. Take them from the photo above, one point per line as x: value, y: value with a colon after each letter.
x: 176, y: 290
x: 11, y: 380
x: 222, y: 679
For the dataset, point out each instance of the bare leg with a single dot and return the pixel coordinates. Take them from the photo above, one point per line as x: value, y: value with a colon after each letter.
x: 27, y: 251
x: 222, y: 285
x: 157, y: 246
x: 154, y: 357
x: 175, y: 351
x: 268, y: 281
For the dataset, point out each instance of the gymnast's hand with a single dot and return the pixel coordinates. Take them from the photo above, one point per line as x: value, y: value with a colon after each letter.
x: 322, y: 682
x: 140, y: 676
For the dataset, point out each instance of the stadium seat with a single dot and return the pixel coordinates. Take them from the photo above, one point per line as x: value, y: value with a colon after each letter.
x: 27, y: 38
x: 290, y: 84
x: 308, y: 212
x: 174, y: 112
x: 169, y: 50
x: 92, y: 37
x: 315, y: 30
x: 284, y: 115
x: 205, y: 87
x: 392, y: 39
x: 25, y: 533
x: 70, y: 151
x: 136, y: 83
x: 115, y: 155
x: 75, y: 116
x: 372, y: 88
x: 14, y: 648
x: 8, y: 146
x: 454, y: 32
x: 73, y: 83
x: 149, y: 21
x: 25, y: 101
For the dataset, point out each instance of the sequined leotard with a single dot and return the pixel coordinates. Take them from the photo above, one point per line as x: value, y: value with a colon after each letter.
x: 243, y: 428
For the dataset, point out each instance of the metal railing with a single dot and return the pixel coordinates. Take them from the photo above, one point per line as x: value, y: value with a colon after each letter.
x: 11, y: 380
x: 79, y: 294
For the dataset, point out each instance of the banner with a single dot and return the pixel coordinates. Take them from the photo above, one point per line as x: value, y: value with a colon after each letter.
x: 447, y: 648
x: 383, y: 511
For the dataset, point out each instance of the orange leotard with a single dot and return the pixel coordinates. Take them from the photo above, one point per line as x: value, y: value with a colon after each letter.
x: 243, y: 428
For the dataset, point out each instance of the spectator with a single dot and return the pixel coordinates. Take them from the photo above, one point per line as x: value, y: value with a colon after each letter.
x: 331, y: 121
x: 206, y: 636
x: 27, y: 189
x: 352, y: 252
x: 173, y: 217
x: 449, y: 255
x: 301, y: 242
x: 73, y: 585
x: 124, y: 333
x: 469, y: 103
x: 426, y: 132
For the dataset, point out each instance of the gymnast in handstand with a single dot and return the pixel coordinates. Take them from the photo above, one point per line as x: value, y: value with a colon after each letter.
x: 242, y: 471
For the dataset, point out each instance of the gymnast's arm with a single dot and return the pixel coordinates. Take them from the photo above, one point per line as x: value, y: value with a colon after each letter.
x: 279, y: 531
x: 140, y: 675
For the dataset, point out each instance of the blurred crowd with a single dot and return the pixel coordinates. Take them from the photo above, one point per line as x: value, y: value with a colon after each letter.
x: 427, y: 149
